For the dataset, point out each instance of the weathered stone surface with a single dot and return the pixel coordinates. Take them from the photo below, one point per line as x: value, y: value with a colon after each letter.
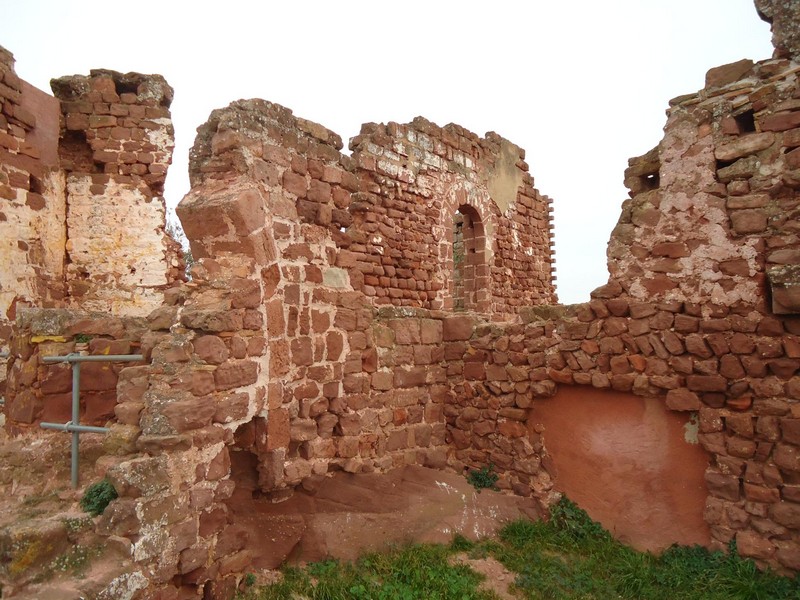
x: 720, y: 76
x: 744, y: 146
x: 784, y: 18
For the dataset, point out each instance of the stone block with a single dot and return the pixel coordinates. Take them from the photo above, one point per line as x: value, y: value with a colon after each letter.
x: 748, y: 221
x: 723, y: 486
x: 683, y: 400
x: 185, y: 415
x: 278, y: 431
x: 411, y: 377
x: 431, y: 331
x: 786, y: 514
x: 232, y: 407
x: 726, y: 74
x: 457, y: 328
x: 211, y: 349
x: 235, y: 374
x: 303, y: 430
x: 751, y: 545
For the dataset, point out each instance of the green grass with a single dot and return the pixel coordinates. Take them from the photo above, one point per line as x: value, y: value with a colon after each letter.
x: 407, y: 573
x: 570, y: 556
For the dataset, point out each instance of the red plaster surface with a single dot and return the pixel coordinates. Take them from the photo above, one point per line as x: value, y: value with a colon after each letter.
x: 624, y: 459
x: 47, y: 110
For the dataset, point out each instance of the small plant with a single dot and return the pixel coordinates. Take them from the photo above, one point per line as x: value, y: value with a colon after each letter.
x: 82, y: 338
x: 97, y: 496
x: 249, y: 580
x: 76, y: 525
x: 574, y: 523
x: 482, y: 478
x: 74, y: 560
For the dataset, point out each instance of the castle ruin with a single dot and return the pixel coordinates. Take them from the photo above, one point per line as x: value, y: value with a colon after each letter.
x: 396, y: 306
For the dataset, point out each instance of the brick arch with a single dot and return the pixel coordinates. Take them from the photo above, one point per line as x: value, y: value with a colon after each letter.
x: 467, y: 282
x: 469, y: 277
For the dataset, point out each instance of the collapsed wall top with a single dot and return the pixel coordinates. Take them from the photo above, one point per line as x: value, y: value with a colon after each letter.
x: 117, y: 124
x: 81, y: 175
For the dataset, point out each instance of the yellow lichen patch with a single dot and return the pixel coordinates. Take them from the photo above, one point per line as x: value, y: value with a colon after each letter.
x: 28, y: 557
x: 38, y: 339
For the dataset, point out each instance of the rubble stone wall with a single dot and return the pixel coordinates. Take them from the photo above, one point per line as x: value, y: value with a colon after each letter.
x: 115, y: 146
x: 320, y: 330
x: 700, y: 311
x: 389, y: 210
x: 416, y: 176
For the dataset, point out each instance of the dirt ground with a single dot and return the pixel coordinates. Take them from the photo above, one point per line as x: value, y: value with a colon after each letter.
x: 338, y: 516
x: 345, y: 515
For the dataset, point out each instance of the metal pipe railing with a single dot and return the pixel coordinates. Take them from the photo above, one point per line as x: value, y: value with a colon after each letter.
x: 74, y: 427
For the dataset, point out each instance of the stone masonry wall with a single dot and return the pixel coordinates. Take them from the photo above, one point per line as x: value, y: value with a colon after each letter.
x: 711, y: 231
x: 116, y: 144
x: 390, y: 208
x: 43, y: 392
x: 281, y: 348
x: 694, y: 311
x: 32, y: 213
x: 414, y: 178
x: 81, y: 175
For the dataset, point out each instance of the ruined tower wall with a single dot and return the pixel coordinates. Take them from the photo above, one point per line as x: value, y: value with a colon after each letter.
x: 82, y: 175
x: 414, y: 179
x: 32, y: 212
x: 700, y: 312
x: 115, y: 146
x: 332, y: 375
x: 390, y: 208
x: 712, y: 212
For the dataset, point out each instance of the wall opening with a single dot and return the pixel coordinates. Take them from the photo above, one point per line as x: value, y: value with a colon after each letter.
x: 470, y: 284
x: 746, y: 121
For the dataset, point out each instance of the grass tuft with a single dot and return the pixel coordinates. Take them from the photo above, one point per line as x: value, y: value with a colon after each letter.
x: 97, y: 497
x: 483, y: 478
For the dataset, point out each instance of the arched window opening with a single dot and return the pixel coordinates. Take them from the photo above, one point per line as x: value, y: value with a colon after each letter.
x: 470, y: 272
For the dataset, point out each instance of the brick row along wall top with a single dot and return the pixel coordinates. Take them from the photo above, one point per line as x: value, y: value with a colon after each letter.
x: 81, y: 175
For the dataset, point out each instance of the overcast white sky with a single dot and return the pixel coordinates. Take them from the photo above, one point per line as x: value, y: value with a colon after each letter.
x: 581, y: 85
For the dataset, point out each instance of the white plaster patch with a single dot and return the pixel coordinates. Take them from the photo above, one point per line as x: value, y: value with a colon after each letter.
x: 335, y: 277
x: 691, y: 429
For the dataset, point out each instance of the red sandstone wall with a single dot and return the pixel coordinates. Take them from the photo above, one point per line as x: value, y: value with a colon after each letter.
x: 634, y: 465
x: 83, y: 222
x: 277, y: 349
x: 415, y: 176
x: 116, y: 143
x: 43, y: 392
x: 389, y: 210
x: 716, y: 236
x: 32, y: 212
